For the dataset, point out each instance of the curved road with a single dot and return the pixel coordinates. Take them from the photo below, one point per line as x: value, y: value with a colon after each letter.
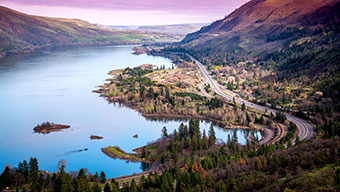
x: 305, y: 129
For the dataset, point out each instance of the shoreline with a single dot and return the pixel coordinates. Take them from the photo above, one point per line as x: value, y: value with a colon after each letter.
x: 133, y: 106
x: 153, y: 165
x: 133, y: 157
x: 36, y: 49
x: 136, y: 107
x: 200, y: 117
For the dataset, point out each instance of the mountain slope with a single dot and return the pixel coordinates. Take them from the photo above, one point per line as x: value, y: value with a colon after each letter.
x: 291, y: 50
x: 21, y: 32
x: 271, y: 30
x: 263, y: 16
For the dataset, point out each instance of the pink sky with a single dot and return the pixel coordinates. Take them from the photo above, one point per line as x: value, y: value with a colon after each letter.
x: 129, y: 12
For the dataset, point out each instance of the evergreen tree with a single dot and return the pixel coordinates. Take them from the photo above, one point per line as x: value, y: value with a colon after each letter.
x: 167, y: 93
x: 6, y: 178
x: 95, y: 177
x: 337, y: 176
x: 33, y: 174
x: 133, y: 186
x: 96, y: 188
x: 81, y: 182
x: 107, y: 188
x: 221, y: 187
x: 212, y: 136
x: 261, y: 120
x: 181, y: 130
x: 248, y: 118
x: 205, y: 141
x: 191, y: 128
x: 186, y: 132
x: 64, y: 181
x: 164, y: 132
x: 114, y: 185
x: 102, y: 177
x: 33, y: 169
x: 151, y: 93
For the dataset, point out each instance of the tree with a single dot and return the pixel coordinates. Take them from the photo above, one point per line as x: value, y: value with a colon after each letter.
x: 261, y: 120
x: 164, y: 132
x: 337, y: 176
x: 33, y: 174
x: 33, y: 169
x: 248, y: 118
x: 107, y: 188
x: 102, y: 177
x: 205, y: 141
x: 141, y: 91
x: 191, y: 128
x: 221, y: 187
x: 81, y: 182
x: 181, y: 131
x: 63, y: 182
x: 243, y: 106
x: 133, y: 186
x: 114, y: 185
x: 6, y: 178
x: 186, y: 132
x: 151, y: 93
x: 212, y: 136
x: 23, y: 168
x: 95, y: 177
x: 96, y: 188
x: 167, y: 93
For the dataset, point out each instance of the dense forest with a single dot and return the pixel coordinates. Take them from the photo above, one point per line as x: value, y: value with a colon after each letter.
x: 195, y: 161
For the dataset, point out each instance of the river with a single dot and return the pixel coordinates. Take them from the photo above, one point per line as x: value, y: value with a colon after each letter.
x: 56, y: 85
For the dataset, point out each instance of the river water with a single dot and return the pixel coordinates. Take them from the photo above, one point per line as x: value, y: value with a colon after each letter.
x: 56, y: 85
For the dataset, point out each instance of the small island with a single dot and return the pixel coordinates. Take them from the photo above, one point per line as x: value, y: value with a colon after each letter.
x: 48, y: 127
x: 96, y: 137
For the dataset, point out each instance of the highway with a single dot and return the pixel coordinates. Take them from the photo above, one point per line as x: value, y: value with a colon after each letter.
x: 305, y: 129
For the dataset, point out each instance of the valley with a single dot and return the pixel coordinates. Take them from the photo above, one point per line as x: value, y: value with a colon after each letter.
x: 249, y: 102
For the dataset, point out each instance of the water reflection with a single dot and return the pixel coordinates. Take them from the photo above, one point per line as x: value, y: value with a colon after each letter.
x: 56, y: 85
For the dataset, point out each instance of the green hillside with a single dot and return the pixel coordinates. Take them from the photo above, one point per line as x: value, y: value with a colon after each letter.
x: 23, y: 33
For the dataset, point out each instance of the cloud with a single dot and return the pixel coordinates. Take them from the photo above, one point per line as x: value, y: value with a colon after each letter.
x: 129, y: 12
x: 173, y: 5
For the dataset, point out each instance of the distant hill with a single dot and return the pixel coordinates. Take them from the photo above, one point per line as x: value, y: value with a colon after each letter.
x: 20, y: 33
x: 181, y: 29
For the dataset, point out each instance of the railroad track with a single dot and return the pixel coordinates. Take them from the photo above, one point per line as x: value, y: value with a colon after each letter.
x: 279, y: 134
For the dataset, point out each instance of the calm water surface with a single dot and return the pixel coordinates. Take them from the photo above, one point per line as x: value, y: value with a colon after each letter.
x: 56, y: 85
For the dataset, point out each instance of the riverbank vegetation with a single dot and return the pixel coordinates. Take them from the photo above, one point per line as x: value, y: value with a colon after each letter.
x: 172, y: 93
